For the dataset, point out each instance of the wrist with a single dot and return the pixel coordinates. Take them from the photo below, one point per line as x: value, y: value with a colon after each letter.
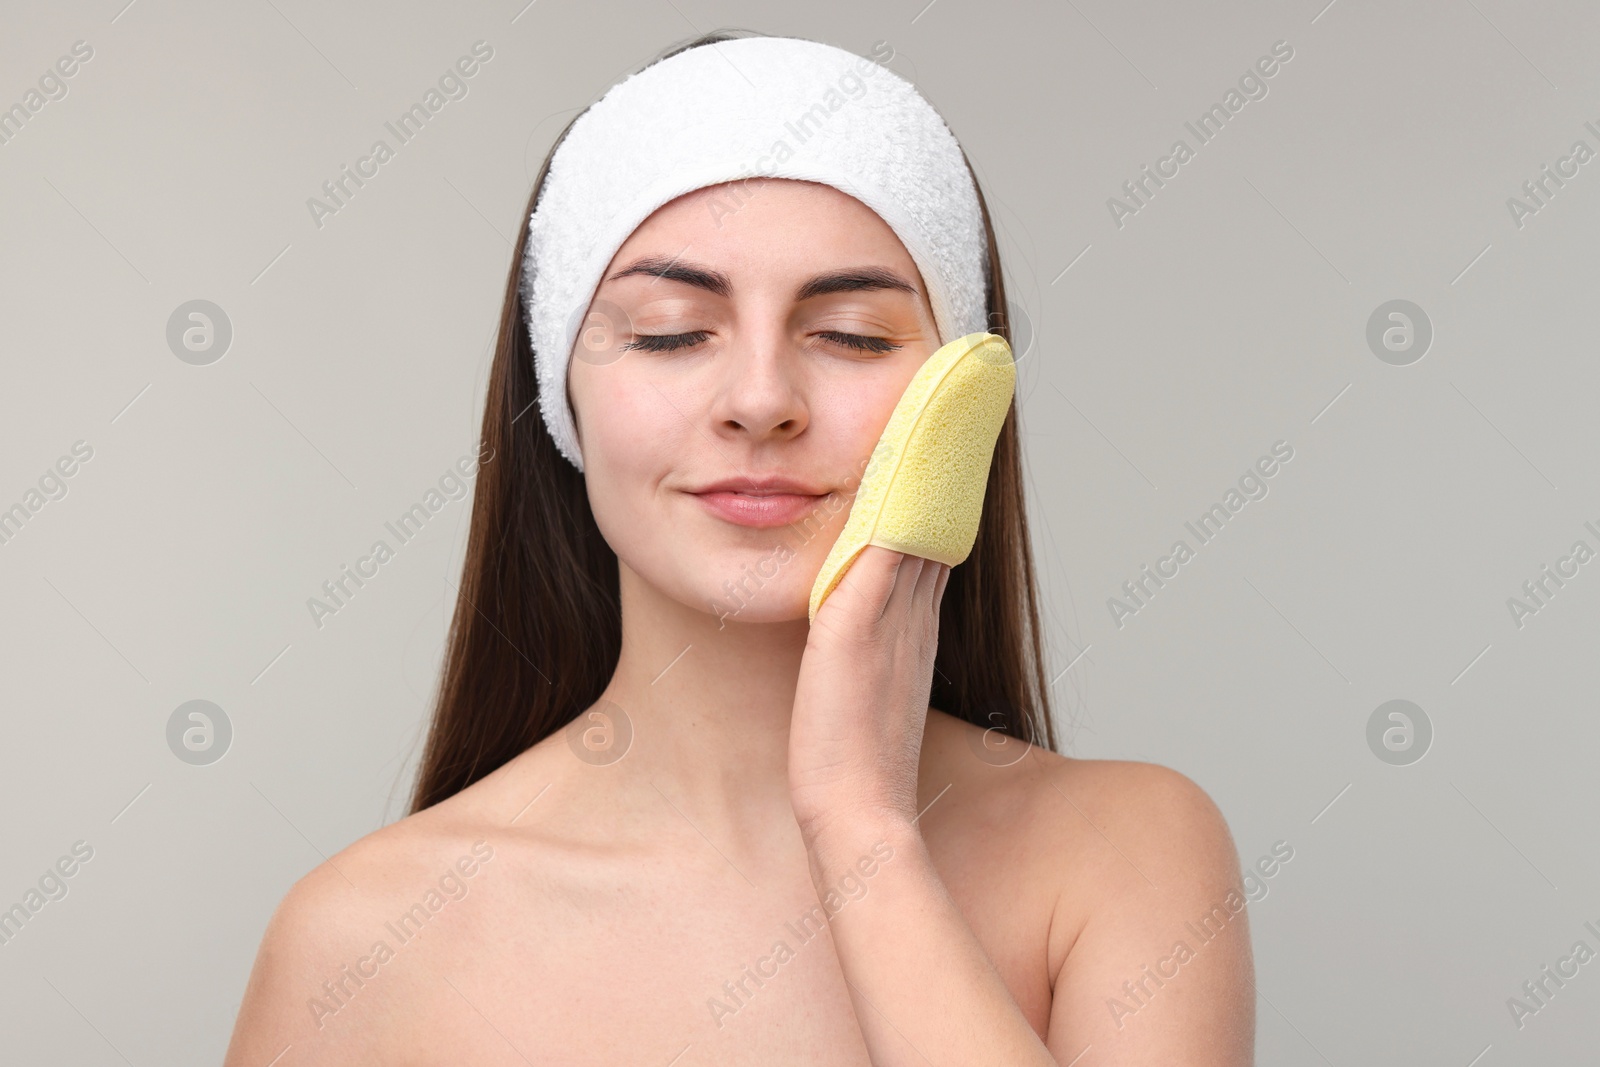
x: 855, y: 843
x: 849, y: 822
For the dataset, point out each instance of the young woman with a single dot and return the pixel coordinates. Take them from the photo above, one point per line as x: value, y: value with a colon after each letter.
x: 663, y: 819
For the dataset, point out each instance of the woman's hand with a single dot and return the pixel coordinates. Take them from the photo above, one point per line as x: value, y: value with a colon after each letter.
x: 862, y: 698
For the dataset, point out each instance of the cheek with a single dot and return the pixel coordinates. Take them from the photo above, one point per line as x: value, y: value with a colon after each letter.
x: 626, y: 418
x: 860, y: 414
x: 630, y: 439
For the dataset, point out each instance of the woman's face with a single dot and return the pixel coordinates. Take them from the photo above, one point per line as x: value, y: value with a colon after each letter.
x: 741, y: 357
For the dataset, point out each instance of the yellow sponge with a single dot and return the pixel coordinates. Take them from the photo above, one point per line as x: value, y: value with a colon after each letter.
x: 922, y: 492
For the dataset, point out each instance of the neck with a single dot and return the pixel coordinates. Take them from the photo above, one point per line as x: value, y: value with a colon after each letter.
x: 709, y: 702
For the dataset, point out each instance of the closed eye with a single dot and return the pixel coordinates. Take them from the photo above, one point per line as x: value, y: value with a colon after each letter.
x: 665, y: 342
x: 861, y: 341
x: 669, y: 342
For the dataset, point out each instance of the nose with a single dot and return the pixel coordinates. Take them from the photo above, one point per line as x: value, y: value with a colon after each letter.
x: 760, y: 395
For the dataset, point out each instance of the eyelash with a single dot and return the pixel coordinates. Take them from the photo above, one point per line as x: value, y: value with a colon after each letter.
x: 664, y: 342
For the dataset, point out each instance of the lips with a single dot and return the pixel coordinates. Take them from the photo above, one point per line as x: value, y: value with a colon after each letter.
x: 759, y: 502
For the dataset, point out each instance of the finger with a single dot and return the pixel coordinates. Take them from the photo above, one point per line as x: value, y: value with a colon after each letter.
x: 929, y: 609
x: 903, y: 597
x: 870, y: 580
x: 927, y: 583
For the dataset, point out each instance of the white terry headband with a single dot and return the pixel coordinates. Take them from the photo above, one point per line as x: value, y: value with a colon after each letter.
x: 778, y: 107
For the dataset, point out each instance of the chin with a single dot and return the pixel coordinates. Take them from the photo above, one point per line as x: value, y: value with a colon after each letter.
x: 772, y: 586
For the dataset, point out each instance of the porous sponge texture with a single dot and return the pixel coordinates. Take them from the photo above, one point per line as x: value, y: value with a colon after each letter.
x: 922, y: 492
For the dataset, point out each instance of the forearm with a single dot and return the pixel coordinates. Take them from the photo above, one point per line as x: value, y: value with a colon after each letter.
x: 923, y: 988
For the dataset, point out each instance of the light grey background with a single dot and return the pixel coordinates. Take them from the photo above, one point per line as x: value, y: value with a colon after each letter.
x: 1229, y: 313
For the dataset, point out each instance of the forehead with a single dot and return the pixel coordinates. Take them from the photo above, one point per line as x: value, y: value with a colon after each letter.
x: 775, y: 225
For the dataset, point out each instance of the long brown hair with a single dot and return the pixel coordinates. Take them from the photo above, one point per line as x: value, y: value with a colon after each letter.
x: 537, y: 628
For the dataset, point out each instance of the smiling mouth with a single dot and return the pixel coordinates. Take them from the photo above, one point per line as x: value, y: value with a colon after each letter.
x: 760, y: 508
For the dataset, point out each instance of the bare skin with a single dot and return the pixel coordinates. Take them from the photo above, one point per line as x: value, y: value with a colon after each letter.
x: 792, y: 859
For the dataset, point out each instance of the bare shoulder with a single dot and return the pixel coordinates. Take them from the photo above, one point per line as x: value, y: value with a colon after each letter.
x: 329, y: 943
x: 1141, y: 906
x: 1148, y: 942
x: 1103, y: 834
x: 1152, y: 806
x: 1147, y: 806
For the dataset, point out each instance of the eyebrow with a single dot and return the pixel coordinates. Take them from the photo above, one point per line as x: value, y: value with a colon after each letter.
x: 854, y: 279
